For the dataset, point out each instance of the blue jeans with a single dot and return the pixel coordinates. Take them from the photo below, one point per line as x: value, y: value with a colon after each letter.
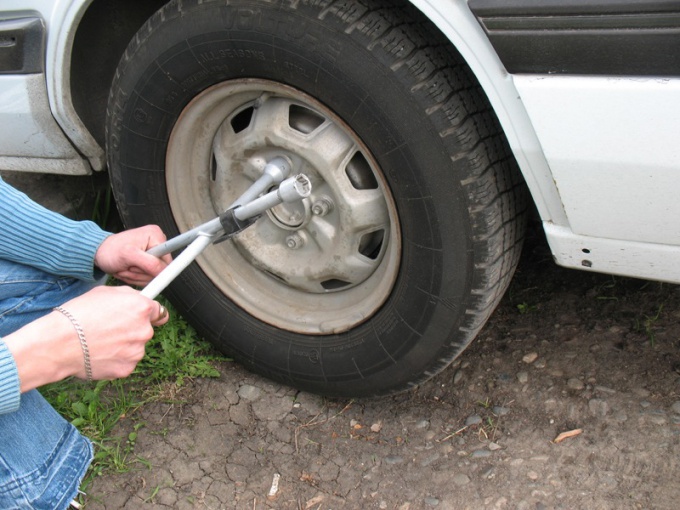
x: 43, y: 458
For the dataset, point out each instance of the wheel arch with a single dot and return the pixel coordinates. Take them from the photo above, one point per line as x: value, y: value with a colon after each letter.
x: 103, y: 32
x: 458, y: 25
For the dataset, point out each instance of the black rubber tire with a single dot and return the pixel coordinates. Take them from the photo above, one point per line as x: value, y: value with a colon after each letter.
x: 409, y: 96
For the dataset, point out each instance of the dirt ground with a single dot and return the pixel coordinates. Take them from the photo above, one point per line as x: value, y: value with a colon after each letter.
x: 590, y: 355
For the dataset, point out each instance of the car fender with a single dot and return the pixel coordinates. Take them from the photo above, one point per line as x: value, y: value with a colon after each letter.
x: 63, y: 24
x: 459, y: 25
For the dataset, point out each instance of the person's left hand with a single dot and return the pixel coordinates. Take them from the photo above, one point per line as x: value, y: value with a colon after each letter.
x: 124, y: 256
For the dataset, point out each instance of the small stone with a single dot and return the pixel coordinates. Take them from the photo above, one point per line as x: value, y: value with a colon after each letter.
x: 500, y: 411
x: 249, y: 392
x: 575, y: 384
x: 504, y: 378
x: 676, y: 407
x: 530, y: 358
x: 480, y: 454
x: 475, y: 419
x: 431, y: 501
x: 394, y: 459
x: 621, y: 417
x: 657, y: 419
x: 494, y: 446
x: 430, y: 460
x: 377, y: 427
x: 598, y: 407
x: 550, y: 405
x: 533, y: 475
x: 540, y: 363
x: 423, y: 424
x: 461, y: 479
x: 609, y: 481
x: 487, y: 472
x: 458, y: 376
x: 523, y: 377
x: 641, y: 392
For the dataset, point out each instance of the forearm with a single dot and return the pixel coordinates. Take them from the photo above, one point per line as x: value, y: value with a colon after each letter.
x: 44, y: 351
x: 35, y: 236
x: 39, y: 353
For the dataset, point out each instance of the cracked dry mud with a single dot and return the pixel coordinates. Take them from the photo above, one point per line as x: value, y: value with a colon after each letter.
x: 565, y: 351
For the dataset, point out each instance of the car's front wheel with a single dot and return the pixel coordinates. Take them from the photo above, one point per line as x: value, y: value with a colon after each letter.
x: 387, y: 271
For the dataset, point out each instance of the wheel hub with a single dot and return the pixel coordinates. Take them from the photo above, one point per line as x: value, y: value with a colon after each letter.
x: 291, y: 216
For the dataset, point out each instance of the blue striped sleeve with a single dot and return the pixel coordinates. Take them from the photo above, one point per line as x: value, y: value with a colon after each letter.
x: 10, y: 393
x: 33, y: 235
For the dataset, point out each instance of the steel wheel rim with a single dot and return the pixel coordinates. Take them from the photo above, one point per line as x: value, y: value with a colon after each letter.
x: 320, y: 267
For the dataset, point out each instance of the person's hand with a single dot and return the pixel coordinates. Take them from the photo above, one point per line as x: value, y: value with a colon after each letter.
x: 116, y: 322
x: 124, y: 256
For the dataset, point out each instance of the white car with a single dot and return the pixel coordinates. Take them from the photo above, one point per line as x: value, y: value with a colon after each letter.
x: 428, y: 128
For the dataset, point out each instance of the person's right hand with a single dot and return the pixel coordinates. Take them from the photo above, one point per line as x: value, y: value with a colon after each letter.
x: 124, y: 255
x: 117, y: 323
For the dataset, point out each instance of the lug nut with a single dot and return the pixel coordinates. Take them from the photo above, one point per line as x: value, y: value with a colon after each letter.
x: 322, y: 206
x: 295, y: 241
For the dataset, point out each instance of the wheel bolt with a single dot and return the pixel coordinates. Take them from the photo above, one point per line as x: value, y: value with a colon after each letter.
x: 295, y: 241
x: 322, y: 206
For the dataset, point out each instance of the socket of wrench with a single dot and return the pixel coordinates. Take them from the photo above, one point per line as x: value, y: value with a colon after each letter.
x: 238, y: 218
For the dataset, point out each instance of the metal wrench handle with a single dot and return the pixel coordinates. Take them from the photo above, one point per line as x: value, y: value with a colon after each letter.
x: 179, y: 264
x: 290, y: 190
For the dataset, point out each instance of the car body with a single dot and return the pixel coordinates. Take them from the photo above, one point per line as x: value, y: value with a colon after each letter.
x: 587, y: 94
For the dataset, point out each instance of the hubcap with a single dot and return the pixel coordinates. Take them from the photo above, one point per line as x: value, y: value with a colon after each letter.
x: 319, y: 266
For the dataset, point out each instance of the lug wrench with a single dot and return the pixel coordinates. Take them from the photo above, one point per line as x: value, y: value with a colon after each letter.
x: 242, y: 213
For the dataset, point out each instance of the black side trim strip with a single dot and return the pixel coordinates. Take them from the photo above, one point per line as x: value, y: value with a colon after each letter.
x: 561, y: 7
x: 22, y: 47
x: 604, y: 22
x: 604, y: 37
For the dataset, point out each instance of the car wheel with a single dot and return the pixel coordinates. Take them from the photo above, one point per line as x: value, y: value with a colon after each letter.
x: 383, y: 275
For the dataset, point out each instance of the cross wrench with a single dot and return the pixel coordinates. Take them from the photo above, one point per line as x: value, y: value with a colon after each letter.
x: 240, y: 215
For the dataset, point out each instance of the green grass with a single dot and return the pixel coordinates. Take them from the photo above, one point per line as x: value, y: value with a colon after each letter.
x: 525, y: 308
x: 175, y: 354
x: 648, y: 324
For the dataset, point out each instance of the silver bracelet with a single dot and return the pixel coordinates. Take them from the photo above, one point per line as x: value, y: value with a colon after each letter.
x: 81, y: 337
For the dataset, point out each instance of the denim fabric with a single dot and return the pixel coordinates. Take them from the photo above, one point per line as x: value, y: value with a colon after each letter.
x: 43, y: 458
x: 27, y: 294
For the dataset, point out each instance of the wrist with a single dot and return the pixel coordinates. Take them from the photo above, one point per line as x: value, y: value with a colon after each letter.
x: 45, y: 351
x: 81, y: 338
